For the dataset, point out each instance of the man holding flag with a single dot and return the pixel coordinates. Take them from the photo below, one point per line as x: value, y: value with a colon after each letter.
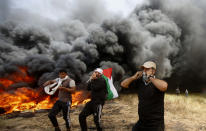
x: 101, y: 88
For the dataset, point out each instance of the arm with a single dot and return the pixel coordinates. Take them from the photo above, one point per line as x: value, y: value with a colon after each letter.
x: 71, y: 89
x: 128, y: 81
x: 72, y: 86
x: 89, y: 83
x: 159, y: 84
x: 49, y: 82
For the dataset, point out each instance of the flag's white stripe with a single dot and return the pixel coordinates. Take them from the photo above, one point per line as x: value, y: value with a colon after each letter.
x: 112, y: 88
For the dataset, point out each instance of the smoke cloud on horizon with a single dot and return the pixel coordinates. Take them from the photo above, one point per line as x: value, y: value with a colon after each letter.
x: 171, y: 34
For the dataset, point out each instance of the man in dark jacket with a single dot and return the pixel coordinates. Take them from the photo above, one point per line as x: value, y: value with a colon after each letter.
x: 98, y: 88
x: 63, y: 103
x: 151, y: 98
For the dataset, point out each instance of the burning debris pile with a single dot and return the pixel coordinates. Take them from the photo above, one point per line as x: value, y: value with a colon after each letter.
x: 36, y: 47
x: 25, y: 98
x: 19, y: 99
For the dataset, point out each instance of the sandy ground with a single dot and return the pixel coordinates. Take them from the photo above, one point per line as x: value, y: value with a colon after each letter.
x: 181, y: 114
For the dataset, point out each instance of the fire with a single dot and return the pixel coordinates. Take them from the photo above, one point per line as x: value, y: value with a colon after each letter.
x: 80, y: 97
x: 6, y: 82
x: 22, y: 76
x: 29, y: 99
x: 16, y: 77
x: 26, y: 98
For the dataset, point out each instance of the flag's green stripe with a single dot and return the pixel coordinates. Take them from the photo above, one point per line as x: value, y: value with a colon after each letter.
x: 110, y: 93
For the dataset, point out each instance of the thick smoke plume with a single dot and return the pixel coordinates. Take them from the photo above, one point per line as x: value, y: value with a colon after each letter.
x: 170, y: 33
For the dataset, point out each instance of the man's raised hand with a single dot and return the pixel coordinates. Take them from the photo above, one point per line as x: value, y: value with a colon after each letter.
x: 137, y: 75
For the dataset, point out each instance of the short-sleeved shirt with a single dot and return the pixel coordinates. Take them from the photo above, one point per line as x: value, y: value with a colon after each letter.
x: 151, y: 104
x: 63, y: 95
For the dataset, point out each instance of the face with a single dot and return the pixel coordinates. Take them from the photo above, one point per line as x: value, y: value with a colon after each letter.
x: 62, y: 75
x: 96, y: 74
x: 149, y: 71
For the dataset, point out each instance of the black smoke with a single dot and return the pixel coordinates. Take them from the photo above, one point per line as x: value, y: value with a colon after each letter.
x: 167, y: 32
x: 189, y: 64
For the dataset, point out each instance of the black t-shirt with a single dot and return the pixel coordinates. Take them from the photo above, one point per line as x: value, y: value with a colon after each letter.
x: 151, y: 104
x: 98, y: 90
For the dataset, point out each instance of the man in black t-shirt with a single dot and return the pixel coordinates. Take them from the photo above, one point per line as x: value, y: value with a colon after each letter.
x: 151, y: 98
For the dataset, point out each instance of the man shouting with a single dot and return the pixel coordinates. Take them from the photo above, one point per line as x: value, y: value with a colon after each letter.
x: 98, y: 88
x: 151, y: 98
x: 66, y: 88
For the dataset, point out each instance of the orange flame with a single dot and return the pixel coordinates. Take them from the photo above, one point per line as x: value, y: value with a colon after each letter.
x: 80, y: 98
x: 6, y: 82
x: 30, y: 99
x: 25, y: 98
x: 19, y: 76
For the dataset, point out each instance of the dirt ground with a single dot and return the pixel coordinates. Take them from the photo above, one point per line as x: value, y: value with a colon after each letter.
x: 181, y: 114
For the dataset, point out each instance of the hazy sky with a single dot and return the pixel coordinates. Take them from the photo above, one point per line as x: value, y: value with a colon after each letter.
x: 56, y: 9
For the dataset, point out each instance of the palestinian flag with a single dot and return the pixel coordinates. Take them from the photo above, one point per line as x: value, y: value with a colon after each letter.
x: 112, y: 92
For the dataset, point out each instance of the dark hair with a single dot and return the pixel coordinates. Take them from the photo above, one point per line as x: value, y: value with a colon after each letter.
x: 62, y: 71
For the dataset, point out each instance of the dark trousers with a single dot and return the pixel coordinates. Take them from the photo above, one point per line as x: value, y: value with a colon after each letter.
x: 58, y: 106
x: 140, y: 127
x: 91, y: 108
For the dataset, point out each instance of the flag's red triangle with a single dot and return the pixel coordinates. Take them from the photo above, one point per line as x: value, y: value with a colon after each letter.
x: 108, y: 72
